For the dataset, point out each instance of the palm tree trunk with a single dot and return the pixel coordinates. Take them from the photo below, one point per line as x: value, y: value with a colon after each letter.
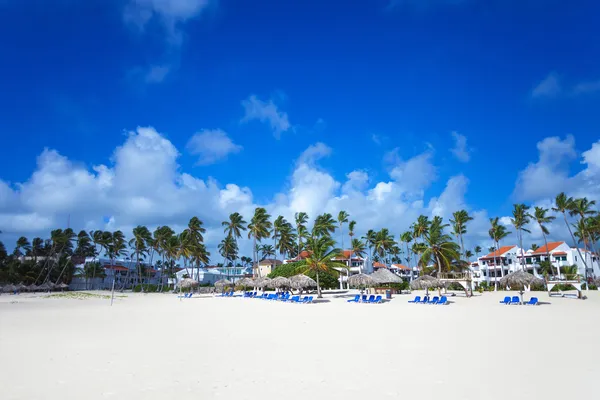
x: 522, y: 253
x: 495, y: 265
x: 577, y: 247
x: 548, y: 253
x: 255, y: 254
x: 318, y: 286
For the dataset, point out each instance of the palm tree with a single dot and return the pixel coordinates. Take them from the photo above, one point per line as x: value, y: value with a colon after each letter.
x: 301, y: 221
x: 235, y: 225
x: 497, y: 232
x: 287, y: 237
x: 439, y: 246
x: 267, y: 251
x: 520, y: 220
x: 370, y: 241
x: 564, y: 205
x: 342, y: 219
x: 139, y: 244
x: 383, y: 242
x: 23, y: 246
x: 228, y: 250
x: 259, y: 228
x: 459, y: 226
x: 407, y: 237
x: 278, y: 225
x: 477, y: 251
x: 468, y: 255
x: 540, y: 216
x: 324, y: 225
x: 321, y: 254
x: 583, y: 208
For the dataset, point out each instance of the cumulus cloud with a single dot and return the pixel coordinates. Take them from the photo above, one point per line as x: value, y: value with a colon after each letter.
x: 211, y: 146
x: 414, y: 175
x: 460, y: 149
x: 157, y: 73
x: 586, y: 87
x: 144, y: 184
x: 549, y: 87
x: 266, y: 111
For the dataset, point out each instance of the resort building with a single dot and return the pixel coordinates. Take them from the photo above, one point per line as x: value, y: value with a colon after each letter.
x: 123, y: 271
x: 507, y: 259
x: 407, y: 273
x: 265, y: 267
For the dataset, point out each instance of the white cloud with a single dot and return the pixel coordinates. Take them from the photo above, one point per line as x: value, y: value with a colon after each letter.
x: 211, y: 146
x: 170, y: 14
x: 157, y: 73
x: 460, y: 149
x: 266, y: 111
x: 314, y: 153
x: 549, y: 87
x: 586, y: 87
x: 548, y: 176
x: 357, y: 182
x: 415, y: 174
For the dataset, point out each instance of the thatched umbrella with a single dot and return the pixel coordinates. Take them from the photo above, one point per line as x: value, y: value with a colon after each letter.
x: 262, y: 282
x: 46, y: 287
x: 302, y: 281
x: 385, y: 276
x: 223, y: 283
x: 9, y: 289
x: 188, y: 283
x: 361, y: 280
x: 21, y: 288
x: 246, y: 282
x: 62, y: 286
x: 426, y: 282
x: 520, y: 279
x: 279, y: 282
x: 32, y: 287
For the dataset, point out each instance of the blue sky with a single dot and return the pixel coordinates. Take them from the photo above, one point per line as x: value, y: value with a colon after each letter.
x: 378, y: 83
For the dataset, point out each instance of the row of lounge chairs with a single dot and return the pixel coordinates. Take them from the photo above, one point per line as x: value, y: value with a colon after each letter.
x: 426, y: 300
x: 284, y: 297
x: 371, y: 300
x: 515, y: 300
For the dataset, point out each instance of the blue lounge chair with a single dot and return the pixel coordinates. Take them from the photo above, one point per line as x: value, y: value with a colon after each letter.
x: 295, y: 299
x: 515, y: 300
x: 377, y: 299
x: 532, y: 302
x: 506, y: 300
x: 363, y: 299
x: 307, y: 299
x: 356, y: 299
x: 434, y: 300
x: 371, y: 299
x: 424, y: 300
x: 443, y: 300
x: 416, y: 300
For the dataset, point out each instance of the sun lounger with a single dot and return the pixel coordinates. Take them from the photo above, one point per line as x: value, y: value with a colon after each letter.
x: 307, y: 299
x: 532, y: 302
x: 363, y: 299
x: 434, y: 300
x: 356, y: 299
x: 506, y: 300
x: 443, y: 300
x: 515, y: 300
x: 295, y: 299
x: 377, y: 299
x: 416, y: 300
x: 424, y: 300
x: 371, y: 299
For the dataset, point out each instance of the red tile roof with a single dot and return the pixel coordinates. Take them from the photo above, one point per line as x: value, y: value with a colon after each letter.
x: 379, y: 265
x: 500, y: 252
x: 559, y: 253
x: 116, y: 268
x: 400, y: 266
x: 551, y: 246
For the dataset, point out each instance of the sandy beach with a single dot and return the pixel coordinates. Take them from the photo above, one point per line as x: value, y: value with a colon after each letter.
x: 156, y: 347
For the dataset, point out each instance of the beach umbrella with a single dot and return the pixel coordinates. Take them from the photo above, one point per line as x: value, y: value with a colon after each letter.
x: 520, y: 279
x: 426, y: 282
x: 246, y: 282
x: 361, y: 280
x: 21, y: 288
x: 63, y: 286
x: 46, y: 287
x: 187, y: 283
x: 302, y: 281
x: 383, y: 276
x: 279, y: 282
x: 262, y: 282
x: 32, y: 287
x: 9, y: 289
x: 223, y: 283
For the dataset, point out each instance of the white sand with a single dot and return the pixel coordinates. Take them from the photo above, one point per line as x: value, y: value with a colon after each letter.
x: 157, y: 347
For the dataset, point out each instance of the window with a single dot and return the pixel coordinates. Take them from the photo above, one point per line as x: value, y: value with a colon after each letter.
x: 509, y: 261
x: 528, y: 260
x: 575, y: 258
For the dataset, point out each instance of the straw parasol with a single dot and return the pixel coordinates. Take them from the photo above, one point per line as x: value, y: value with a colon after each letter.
x: 21, y: 288
x: 62, y: 286
x: 361, y: 280
x: 520, y: 278
x: 223, y: 282
x: 262, y: 282
x: 245, y: 282
x: 279, y: 282
x: 383, y: 276
x: 187, y: 283
x: 302, y: 281
x: 32, y: 287
x: 426, y: 282
x: 46, y: 287
x: 9, y: 289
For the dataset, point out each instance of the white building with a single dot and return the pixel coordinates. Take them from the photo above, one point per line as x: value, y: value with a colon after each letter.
x: 124, y: 272
x: 407, y: 273
x: 210, y: 274
x: 507, y: 259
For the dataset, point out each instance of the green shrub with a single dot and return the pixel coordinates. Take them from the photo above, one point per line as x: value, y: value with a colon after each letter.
x: 593, y: 287
x: 146, y: 288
